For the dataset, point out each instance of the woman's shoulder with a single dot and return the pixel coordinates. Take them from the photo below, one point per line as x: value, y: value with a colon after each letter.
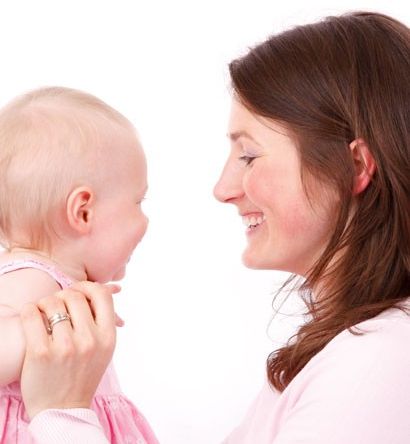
x: 392, y: 324
x: 379, y: 343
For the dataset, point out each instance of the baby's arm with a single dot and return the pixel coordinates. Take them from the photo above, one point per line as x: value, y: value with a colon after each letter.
x: 16, y: 289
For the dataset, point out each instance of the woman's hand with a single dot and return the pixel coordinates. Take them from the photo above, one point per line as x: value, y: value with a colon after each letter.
x: 63, y: 369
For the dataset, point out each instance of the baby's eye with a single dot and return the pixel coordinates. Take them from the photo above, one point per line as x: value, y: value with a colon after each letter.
x: 247, y: 159
x: 140, y: 201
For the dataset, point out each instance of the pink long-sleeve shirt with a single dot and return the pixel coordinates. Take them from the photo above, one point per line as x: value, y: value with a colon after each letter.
x: 355, y: 391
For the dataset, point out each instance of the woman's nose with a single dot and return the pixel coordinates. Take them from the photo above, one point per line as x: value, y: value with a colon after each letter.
x: 229, y: 186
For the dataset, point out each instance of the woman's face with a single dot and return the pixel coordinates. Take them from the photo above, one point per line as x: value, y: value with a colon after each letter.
x: 285, y: 229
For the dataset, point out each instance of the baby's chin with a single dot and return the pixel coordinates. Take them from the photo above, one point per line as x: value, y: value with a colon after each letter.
x: 120, y: 274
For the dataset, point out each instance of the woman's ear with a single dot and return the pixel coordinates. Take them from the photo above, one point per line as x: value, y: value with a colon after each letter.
x: 80, y: 208
x: 364, y: 163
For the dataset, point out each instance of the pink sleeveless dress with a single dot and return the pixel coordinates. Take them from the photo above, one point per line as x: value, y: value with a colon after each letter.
x: 120, y: 419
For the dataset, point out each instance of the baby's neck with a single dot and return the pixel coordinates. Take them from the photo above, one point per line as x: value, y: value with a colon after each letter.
x: 70, y: 268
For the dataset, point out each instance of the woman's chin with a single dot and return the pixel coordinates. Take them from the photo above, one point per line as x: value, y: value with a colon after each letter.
x: 258, y: 261
x: 252, y: 260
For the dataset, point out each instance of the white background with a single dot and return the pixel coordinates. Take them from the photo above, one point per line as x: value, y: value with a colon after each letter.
x: 192, y: 354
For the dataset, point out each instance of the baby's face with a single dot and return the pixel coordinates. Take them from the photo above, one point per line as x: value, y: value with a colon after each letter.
x: 119, y: 223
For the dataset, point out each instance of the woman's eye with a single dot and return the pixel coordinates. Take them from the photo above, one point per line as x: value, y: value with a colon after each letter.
x: 247, y: 159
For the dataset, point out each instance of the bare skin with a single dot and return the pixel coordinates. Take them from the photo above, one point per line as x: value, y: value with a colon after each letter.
x: 79, y: 352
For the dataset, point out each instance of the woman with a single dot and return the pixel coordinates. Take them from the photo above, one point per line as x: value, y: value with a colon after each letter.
x: 320, y: 171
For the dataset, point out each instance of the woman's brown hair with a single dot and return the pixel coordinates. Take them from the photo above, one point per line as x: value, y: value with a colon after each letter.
x: 332, y: 82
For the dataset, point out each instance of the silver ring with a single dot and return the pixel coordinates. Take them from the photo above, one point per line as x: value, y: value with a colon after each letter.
x: 55, y: 319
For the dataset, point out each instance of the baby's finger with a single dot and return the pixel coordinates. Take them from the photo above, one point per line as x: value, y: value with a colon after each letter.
x: 119, y: 322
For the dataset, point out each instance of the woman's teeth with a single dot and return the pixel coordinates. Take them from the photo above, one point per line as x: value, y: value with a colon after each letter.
x: 253, y: 221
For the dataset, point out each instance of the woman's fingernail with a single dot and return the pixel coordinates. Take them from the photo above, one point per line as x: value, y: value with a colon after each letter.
x: 114, y: 288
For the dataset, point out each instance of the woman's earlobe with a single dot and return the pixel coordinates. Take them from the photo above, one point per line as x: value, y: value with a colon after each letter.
x: 365, y: 165
x: 79, y: 209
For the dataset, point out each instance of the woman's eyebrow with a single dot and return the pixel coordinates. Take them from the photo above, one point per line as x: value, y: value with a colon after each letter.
x: 234, y: 136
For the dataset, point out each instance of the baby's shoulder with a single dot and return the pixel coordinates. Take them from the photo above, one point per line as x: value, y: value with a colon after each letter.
x: 25, y: 285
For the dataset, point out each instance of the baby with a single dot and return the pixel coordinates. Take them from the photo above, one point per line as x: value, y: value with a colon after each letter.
x: 72, y: 178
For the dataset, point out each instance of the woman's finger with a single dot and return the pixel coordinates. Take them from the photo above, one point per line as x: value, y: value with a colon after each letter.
x: 101, y: 301
x: 80, y: 313
x: 82, y: 318
x: 113, y: 288
x: 34, y: 329
x: 53, y: 308
x: 57, y: 374
x: 6, y: 311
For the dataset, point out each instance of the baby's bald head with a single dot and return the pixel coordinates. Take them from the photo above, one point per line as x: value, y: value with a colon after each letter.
x: 51, y: 140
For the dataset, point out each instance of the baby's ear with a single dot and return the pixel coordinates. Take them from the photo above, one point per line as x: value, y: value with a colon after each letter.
x: 365, y: 165
x: 80, y: 206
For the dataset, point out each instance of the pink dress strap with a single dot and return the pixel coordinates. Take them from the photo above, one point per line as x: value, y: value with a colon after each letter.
x: 121, y: 421
x: 62, y: 280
